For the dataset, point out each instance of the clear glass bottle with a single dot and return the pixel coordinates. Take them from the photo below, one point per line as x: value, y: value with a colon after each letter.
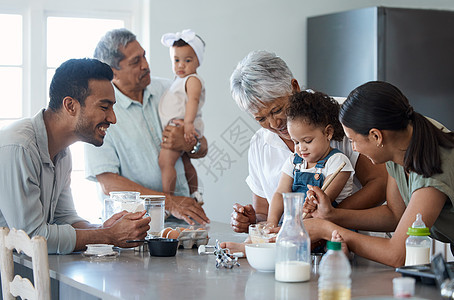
x: 417, y: 245
x: 293, y: 246
x: 334, y: 282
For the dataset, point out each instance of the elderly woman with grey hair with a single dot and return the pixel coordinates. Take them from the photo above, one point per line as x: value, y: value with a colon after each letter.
x: 261, y: 85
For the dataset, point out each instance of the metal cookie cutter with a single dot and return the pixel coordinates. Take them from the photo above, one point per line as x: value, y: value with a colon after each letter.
x: 223, y: 256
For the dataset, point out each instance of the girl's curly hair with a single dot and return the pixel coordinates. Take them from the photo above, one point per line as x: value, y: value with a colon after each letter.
x: 317, y: 109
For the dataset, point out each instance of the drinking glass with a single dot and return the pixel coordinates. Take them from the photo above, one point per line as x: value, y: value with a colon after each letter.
x: 155, y: 207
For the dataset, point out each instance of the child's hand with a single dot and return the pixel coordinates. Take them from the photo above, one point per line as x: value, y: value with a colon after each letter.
x: 309, y: 206
x: 322, y: 202
x: 189, y: 133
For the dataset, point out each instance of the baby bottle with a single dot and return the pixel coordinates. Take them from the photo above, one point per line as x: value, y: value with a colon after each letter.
x: 418, y: 243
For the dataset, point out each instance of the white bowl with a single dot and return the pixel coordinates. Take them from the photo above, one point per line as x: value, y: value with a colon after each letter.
x: 261, y: 257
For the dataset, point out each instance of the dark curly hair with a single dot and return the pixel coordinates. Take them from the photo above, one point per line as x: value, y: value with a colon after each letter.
x: 317, y: 109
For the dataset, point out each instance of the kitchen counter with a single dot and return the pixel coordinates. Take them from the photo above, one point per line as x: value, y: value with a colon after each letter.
x: 137, y: 275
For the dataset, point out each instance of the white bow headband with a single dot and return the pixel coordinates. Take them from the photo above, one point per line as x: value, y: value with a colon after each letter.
x: 189, y: 37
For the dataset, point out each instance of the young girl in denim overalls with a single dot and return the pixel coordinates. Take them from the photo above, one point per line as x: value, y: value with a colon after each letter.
x: 312, y: 122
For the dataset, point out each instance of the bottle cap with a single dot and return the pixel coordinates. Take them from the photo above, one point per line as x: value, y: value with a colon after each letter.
x: 333, y: 245
x: 418, y: 231
x: 418, y: 227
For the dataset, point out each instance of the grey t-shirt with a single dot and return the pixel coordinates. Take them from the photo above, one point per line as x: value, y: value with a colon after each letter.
x: 35, y: 192
x: 443, y: 228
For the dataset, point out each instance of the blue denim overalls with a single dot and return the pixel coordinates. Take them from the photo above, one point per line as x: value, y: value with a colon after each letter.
x: 301, y: 179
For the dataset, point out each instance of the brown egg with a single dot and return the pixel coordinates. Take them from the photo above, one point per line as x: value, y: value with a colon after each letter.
x: 165, y: 231
x: 200, y: 229
x: 173, y: 234
x: 180, y: 229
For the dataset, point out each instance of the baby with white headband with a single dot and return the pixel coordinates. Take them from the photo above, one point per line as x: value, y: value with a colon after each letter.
x: 181, y: 105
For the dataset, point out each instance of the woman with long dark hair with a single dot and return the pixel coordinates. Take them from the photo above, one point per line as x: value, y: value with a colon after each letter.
x: 382, y: 125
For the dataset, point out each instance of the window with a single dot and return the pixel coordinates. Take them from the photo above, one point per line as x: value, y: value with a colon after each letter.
x: 77, y: 38
x: 11, y: 68
x: 74, y: 38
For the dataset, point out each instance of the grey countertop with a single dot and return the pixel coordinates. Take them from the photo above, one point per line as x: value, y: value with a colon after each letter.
x: 137, y: 275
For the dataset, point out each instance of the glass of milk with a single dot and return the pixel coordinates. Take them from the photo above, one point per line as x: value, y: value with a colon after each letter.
x: 155, y: 207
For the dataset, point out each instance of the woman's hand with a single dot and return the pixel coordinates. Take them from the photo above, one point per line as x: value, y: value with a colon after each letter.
x: 319, y: 229
x: 309, y: 206
x: 318, y: 199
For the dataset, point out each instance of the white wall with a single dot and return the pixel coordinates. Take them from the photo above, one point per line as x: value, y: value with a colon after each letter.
x: 232, y: 29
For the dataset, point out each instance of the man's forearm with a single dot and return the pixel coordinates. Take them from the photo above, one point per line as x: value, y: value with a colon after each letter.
x: 91, y: 236
x: 85, y: 225
x: 111, y: 182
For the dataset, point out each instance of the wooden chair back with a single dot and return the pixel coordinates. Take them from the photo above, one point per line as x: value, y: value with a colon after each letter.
x: 36, y: 249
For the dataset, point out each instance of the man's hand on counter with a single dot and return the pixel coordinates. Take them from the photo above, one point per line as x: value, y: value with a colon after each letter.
x: 187, y: 209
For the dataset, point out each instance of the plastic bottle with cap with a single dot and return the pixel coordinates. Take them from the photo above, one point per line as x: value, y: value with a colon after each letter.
x: 334, y: 282
x: 418, y: 243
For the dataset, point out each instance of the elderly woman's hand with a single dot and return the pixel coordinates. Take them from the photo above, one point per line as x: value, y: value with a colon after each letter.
x: 242, y: 217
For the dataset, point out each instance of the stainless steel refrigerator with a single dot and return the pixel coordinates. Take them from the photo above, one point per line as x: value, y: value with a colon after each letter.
x: 410, y: 48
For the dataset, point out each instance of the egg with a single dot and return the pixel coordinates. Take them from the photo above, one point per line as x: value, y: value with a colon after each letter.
x: 173, y: 234
x: 165, y: 231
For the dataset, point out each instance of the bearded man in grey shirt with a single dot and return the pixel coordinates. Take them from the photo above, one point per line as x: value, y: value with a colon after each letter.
x: 35, y: 162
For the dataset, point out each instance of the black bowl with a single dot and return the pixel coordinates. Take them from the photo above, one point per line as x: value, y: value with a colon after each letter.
x: 162, y: 247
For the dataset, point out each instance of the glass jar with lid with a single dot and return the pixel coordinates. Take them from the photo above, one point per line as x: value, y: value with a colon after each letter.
x: 122, y: 200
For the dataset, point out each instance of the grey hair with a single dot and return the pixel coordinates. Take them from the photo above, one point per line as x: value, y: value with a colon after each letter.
x: 259, y: 78
x: 108, y: 48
